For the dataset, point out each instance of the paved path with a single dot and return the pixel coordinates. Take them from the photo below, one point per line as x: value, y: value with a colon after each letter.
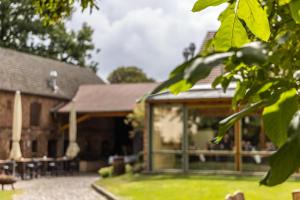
x: 59, y: 188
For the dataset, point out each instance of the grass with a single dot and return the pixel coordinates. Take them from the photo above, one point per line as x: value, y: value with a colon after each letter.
x: 194, y: 187
x: 7, y: 194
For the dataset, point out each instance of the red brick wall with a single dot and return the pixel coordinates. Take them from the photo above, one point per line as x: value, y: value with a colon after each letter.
x: 46, y: 130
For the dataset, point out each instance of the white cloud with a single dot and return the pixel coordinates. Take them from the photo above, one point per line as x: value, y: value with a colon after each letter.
x: 150, y: 34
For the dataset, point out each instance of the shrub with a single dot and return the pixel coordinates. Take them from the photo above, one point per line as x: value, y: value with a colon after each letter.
x: 106, y: 172
x: 137, y: 168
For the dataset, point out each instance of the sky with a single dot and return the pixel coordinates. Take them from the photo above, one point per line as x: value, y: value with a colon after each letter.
x: 149, y: 34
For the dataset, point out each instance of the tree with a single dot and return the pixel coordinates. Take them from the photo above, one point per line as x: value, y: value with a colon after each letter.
x: 21, y: 29
x: 53, y: 11
x: 258, y: 42
x: 128, y: 75
x: 137, y: 119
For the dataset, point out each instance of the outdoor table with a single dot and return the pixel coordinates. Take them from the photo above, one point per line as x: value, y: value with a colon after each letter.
x: 44, y: 162
x: 62, y: 163
x: 22, y: 166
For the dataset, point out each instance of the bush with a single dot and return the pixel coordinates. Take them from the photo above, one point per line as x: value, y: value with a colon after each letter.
x: 106, y: 172
x: 137, y: 168
x: 128, y: 169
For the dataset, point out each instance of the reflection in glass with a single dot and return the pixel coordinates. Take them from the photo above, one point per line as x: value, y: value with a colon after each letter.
x: 202, y: 128
x: 255, y: 145
x: 167, y: 128
x: 211, y: 162
x: 166, y: 161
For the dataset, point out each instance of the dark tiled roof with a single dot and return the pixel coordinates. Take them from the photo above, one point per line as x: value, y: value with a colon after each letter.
x: 109, y: 98
x: 207, y: 38
x: 216, y: 71
x: 30, y: 74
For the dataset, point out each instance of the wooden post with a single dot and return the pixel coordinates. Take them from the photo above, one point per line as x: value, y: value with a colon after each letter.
x: 238, y: 146
x: 262, y: 136
x: 296, y: 195
x: 229, y: 197
x: 236, y: 196
x: 239, y: 196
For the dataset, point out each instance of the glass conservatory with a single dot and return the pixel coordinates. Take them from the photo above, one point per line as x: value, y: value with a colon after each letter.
x: 180, y: 129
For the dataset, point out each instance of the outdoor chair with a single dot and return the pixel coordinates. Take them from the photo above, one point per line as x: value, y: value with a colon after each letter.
x: 31, y: 170
x: 38, y: 167
x: 7, y: 168
x: 71, y: 166
x: 52, y: 167
x: 7, y: 180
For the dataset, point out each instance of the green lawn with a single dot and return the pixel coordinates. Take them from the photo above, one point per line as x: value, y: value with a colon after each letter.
x: 179, y: 187
x: 7, y: 194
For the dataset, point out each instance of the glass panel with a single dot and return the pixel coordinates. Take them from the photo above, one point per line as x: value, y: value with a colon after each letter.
x: 255, y: 163
x: 253, y: 137
x: 255, y: 144
x: 167, y: 128
x: 167, y: 161
x: 211, y: 162
x: 203, y: 127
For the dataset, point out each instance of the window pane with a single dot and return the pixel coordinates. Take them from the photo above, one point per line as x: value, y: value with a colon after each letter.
x: 254, y: 137
x: 167, y: 161
x: 167, y: 128
x: 255, y: 163
x: 255, y: 145
x: 203, y: 127
x: 211, y: 162
x: 35, y: 112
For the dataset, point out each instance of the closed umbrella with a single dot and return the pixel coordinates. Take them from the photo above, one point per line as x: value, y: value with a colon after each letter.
x: 15, y: 152
x: 73, y: 148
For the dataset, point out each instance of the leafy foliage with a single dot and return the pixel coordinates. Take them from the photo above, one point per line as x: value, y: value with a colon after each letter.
x: 53, y: 11
x: 23, y: 30
x: 129, y: 74
x: 137, y: 118
x: 266, y: 72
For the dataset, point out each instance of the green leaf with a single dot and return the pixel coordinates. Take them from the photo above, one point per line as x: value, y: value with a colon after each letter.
x: 239, y: 94
x: 180, y: 86
x: 295, y: 10
x: 228, y: 122
x: 201, y: 67
x: 231, y: 33
x: 286, y: 160
x: 202, y: 4
x: 277, y: 116
x: 283, y: 2
x: 166, y: 84
x: 252, y: 53
x: 251, y: 12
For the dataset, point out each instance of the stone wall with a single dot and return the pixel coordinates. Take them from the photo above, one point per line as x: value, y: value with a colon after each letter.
x: 46, y: 130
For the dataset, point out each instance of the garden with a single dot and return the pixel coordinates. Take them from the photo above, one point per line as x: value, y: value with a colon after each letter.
x: 193, y: 187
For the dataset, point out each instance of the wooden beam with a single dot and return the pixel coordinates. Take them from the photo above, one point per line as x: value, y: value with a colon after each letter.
x: 262, y: 136
x: 111, y: 114
x: 80, y: 119
x: 94, y: 115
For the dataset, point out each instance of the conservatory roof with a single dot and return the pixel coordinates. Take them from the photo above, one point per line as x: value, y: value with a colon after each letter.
x: 198, y: 92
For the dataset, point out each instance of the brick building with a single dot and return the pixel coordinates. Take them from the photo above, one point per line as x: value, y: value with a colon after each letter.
x: 45, y: 85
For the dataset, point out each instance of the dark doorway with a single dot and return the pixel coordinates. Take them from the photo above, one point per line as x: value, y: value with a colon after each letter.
x: 52, y: 148
x: 123, y: 143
